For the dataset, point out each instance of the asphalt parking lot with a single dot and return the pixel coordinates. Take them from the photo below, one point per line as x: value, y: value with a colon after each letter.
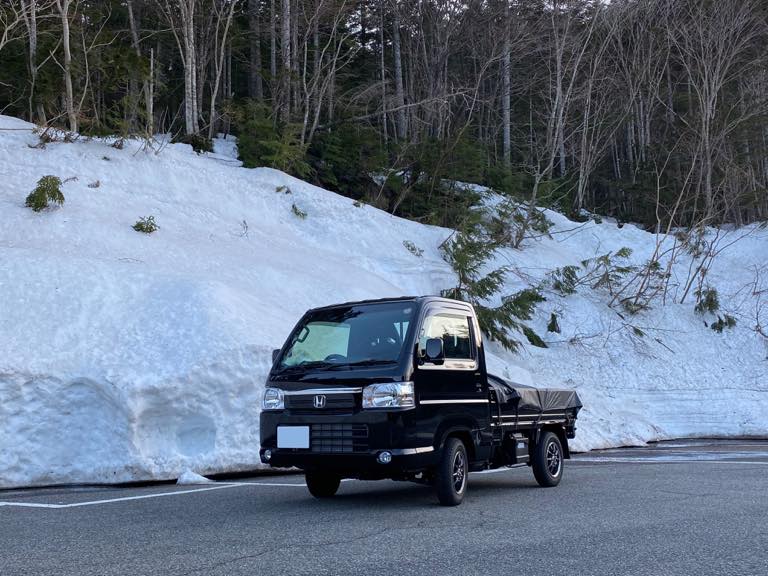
x: 677, y: 508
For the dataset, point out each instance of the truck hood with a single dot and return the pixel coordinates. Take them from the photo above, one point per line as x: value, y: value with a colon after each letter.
x: 336, y: 378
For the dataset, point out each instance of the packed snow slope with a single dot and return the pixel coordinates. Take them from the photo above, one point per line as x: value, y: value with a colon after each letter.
x: 126, y: 356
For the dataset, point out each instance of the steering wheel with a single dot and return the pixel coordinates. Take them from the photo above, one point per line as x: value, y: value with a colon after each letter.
x: 335, y: 358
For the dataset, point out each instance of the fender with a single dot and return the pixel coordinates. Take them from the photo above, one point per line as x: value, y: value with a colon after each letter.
x: 464, y: 428
x: 561, y: 434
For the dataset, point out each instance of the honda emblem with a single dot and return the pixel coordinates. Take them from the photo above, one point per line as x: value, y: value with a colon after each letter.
x: 319, y: 401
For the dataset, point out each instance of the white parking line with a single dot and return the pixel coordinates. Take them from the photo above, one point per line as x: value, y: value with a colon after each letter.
x: 665, y: 461
x: 146, y: 496
x: 584, y: 459
x: 301, y: 484
x: 695, y: 445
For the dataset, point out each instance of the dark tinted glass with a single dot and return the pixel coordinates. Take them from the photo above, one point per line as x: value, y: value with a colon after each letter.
x: 350, y: 334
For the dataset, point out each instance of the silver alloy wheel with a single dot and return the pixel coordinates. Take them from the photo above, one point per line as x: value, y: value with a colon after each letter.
x: 554, y: 459
x: 459, y: 471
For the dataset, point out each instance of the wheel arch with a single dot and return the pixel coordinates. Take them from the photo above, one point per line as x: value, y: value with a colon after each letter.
x: 457, y: 429
x: 559, y: 431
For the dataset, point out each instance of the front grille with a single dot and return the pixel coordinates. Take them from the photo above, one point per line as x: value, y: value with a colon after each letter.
x: 341, y: 438
x: 334, y: 403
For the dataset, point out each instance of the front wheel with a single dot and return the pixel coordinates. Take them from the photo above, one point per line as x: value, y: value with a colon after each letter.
x: 451, y: 474
x: 548, y: 460
x: 322, y: 485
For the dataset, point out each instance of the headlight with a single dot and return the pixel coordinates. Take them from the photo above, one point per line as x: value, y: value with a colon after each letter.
x: 273, y: 399
x: 389, y: 395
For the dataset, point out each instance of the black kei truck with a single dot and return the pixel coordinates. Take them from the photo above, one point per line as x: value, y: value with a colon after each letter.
x: 398, y: 389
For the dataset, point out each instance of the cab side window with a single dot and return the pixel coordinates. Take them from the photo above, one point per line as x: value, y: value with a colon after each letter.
x: 454, y: 331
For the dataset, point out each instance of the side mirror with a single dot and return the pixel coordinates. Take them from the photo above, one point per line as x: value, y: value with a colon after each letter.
x: 434, y: 353
x: 275, y: 354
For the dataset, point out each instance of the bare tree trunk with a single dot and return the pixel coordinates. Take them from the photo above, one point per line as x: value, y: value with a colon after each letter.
x: 295, y: 86
x: 316, y: 42
x: 383, y: 76
x: 559, y: 104
x: 183, y: 29
x: 146, y: 88
x: 670, y: 115
x: 190, y: 69
x: 273, y: 45
x: 506, y: 79
x: 255, y: 83
x: 30, y: 9
x: 69, y: 97
x: 150, y: 103
x: 133, y: 81
x: 561, y: 163
x: 584, y: 152
x: 285, y: 50
x: 400, y: 118
x: 221, y: 39
x: 332, y: 90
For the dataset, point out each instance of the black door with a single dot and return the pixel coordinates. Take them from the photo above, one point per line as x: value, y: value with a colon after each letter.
x: 454, y: 392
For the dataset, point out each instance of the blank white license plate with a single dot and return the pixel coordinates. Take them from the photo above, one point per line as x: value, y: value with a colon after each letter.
x: 293, y: 436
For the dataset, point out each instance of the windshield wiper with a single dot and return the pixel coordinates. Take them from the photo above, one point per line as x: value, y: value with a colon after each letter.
x: 329, y: 366
x: 302, y: 366
x: 360, y: 363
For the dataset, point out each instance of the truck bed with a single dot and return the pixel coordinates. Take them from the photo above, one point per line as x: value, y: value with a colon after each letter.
x: 519, y: 406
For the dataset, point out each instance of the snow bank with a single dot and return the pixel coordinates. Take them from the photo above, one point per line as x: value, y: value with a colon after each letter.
x: 680, y: 378
x: 190, y: 478
x: 125, y: 356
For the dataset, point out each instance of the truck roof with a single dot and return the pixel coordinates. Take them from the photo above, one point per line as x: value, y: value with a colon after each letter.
x: 419, y: 299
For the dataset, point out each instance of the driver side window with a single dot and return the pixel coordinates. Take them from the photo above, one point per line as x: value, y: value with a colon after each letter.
x: 453, y: 330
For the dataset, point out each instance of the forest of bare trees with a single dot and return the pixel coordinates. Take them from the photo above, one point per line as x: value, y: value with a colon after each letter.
x: 654, y: 111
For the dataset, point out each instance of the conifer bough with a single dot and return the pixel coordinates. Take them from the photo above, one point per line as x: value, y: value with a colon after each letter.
x: 48, y: 189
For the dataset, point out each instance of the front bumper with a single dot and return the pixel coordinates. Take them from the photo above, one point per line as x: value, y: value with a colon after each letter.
x: 359, y: 465
x: 349, y: 445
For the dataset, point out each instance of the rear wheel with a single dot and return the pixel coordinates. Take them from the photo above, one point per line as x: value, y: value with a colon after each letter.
x: 322, y: 484
x: 451, y: 474
x: 548, y: 460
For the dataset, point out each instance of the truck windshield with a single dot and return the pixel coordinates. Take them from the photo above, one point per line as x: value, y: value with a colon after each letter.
x: 356, y: 335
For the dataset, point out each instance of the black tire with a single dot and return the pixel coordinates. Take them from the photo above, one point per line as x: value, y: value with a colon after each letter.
x: 451, y: 473
x: 322, y: 484
x: 548, y: 460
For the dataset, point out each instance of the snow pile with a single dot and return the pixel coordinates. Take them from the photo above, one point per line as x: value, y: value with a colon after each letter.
x: 677, y: 377
x: 190, y: 478
x: 126, y: 356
